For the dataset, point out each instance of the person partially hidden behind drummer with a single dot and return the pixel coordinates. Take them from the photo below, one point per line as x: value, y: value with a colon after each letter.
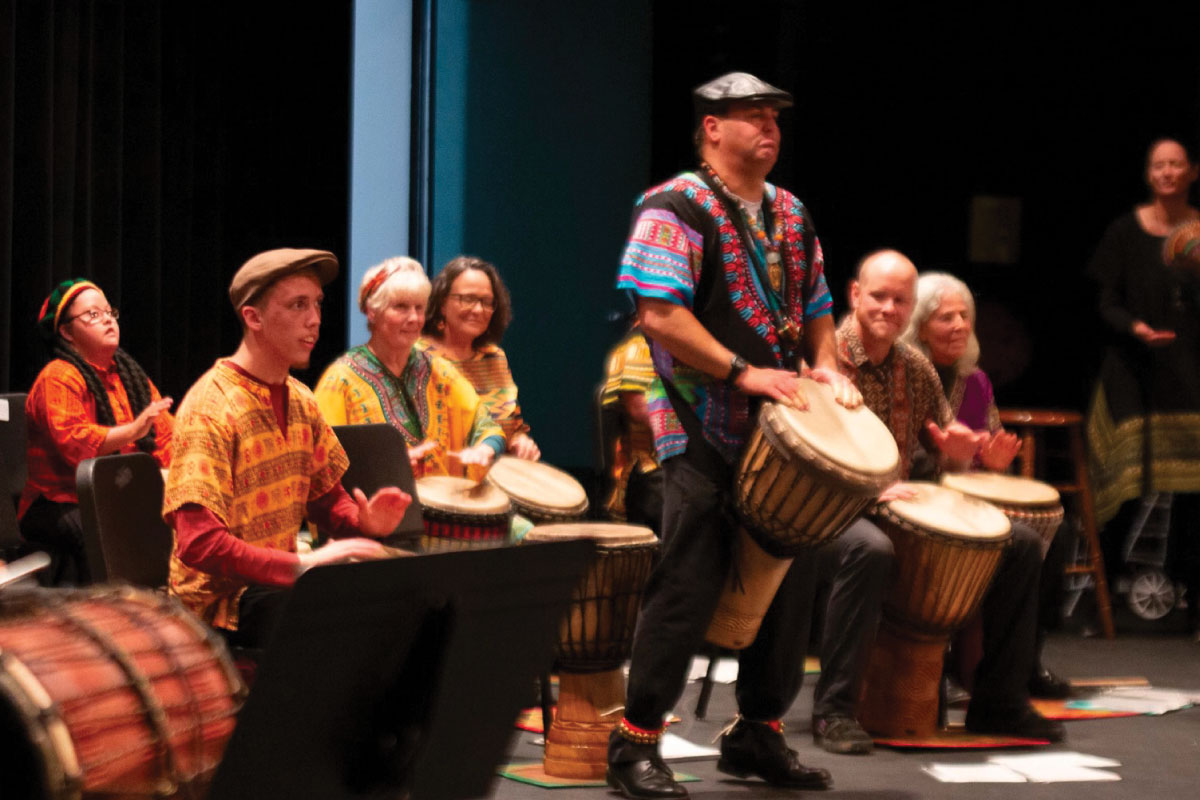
x: 253, y: 457
x: 902, y: 388
x: 728, y: 278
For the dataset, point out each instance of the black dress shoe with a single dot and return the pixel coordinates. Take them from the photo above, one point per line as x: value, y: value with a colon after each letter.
x: 755, y: 748
x: 638, y: 771
x: 1048, y: 686
x: 644, y: 780
x: 1025, y: 723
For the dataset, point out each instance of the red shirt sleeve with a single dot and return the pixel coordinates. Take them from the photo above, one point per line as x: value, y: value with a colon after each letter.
x: 204, y: 543
x: 335, y: 513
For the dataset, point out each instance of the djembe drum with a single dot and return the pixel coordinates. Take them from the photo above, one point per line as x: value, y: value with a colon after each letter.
x: 948, y: 546
x: 594, y: 640
x: 1032, y: 502
x: 111, y: 693
x: 460, y: 514
x: 543, y: 493
x: 804, y: 477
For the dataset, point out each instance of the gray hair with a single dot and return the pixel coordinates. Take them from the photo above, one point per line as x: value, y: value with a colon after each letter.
x: 932, y: 288
x: 383, y: 283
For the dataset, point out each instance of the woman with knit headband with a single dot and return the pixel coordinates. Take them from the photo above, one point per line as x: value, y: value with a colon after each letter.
x: 92, y: 399
x: 446, y: 426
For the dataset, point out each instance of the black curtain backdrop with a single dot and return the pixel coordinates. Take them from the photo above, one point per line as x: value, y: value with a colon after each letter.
x: 153, y: 147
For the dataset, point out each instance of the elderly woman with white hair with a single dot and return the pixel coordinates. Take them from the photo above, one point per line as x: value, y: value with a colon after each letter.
x: 943, y: 327
x: 447, y: 429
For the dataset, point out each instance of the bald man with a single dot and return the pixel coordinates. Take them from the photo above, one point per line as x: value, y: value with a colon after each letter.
x: 902, y: 387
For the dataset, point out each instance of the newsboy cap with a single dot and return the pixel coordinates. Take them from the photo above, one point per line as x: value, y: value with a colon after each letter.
x: 265, y: 268
x: 736, y: 87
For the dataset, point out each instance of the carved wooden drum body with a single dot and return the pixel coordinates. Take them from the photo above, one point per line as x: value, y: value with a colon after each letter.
x: 543, y: 493
x: 1032, y: 502
x: 460, y: 514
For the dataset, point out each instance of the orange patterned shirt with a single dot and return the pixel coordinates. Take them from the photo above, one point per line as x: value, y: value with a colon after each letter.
x: 60, y: 414
x: 231, y: 457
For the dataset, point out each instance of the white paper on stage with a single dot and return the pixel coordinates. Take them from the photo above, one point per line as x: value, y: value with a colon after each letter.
x: 973, y: 773
x: 1137, y: 699
x: 676, y: 748
x: 1060, y: 758
x: 727, y: 669
x: 1062, y: 773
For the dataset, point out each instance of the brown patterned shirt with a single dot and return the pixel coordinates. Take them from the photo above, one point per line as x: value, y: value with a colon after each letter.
x: 904, y: 391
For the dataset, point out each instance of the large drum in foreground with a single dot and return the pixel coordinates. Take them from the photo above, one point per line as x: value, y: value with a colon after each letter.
x: 1025, y: 500
x: 804, y: 477
x: 111, y: 693
x: 948, y: 546
x: 594, y: 640
x: 543, y: 493
x: 460, y: 514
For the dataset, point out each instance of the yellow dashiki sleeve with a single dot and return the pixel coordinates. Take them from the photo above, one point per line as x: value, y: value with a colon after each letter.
x: 458, y: 417
x: 630, y: 369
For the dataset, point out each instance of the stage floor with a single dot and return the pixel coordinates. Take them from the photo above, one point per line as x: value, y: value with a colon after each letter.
x: 1159, y: 756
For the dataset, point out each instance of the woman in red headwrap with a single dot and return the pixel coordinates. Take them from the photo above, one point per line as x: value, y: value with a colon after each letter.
x: 92, y: 399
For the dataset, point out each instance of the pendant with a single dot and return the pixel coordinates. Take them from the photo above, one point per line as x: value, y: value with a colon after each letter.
x: 790, y: 333
x: 774, y: 271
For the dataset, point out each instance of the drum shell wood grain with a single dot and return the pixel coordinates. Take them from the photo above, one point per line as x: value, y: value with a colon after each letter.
x: 590, y: 706
x: 123, y: 693
x: 749, y: 589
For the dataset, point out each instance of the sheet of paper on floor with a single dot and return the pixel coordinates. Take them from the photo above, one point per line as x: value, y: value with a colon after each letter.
x: 1061, y: 757
x: 676, y: 748
x: 727, y: 669
x: 972, y: 773
x: 1141, y: 700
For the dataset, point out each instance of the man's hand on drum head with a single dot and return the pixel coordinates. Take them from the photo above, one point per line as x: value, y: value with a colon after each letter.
x: 780, y: 385
x: 417, y: 453
x: 844, y: 391
x: 957, y: 443
x: 342, y: 550
x: 898, y: 491
x: 380, y: 515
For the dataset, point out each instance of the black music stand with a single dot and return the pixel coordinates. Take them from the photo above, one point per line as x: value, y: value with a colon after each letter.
x: 400, y: 678
x: 379, y: 457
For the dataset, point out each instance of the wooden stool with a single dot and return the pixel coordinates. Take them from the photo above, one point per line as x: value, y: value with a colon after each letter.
x: 1029, y: 424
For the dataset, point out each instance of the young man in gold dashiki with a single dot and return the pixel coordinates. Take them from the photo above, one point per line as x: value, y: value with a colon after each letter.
x: 253, y: 457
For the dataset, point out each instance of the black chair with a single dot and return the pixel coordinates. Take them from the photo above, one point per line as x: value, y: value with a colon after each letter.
x: 13, y: 441
x: 379, y: 457
x: 120, y: 503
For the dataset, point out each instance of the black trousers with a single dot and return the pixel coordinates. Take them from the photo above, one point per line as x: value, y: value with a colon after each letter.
x: 860, y: 565
x: 259, y: 611
x: 58, y: 529
x: 698, y: 535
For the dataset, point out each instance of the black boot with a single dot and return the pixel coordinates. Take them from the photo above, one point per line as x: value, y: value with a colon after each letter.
x: 1048, y: 686
x: 637, y: 771
x: 755, y: 748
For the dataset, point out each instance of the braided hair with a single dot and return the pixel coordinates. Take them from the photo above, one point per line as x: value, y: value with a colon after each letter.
x: 137, y: 384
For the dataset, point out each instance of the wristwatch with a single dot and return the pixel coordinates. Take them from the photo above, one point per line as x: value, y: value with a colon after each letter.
x: 737, y: 365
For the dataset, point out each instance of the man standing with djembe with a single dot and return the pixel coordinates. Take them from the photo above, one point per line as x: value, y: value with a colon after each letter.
x: 728, y: 277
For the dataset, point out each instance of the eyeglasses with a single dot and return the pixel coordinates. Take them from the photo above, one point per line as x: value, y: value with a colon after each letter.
x: 94, y: 315
x: 472, y: 300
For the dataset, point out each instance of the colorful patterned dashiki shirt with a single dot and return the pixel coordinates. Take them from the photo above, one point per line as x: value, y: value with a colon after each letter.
x: 686, y: 247
x: 488, y: 372
x: 904, y: 390
x: 428, y: 400
x: 231, y: 458
x: 630, y: 369
x: 60, y: 414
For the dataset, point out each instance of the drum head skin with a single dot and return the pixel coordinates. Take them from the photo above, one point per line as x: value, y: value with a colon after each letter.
x: 536, y: 484
x: 998, y: 488
x: 462, y: 495
x: 604, y: 534
x: 854, y: 439
x: 949, y: 512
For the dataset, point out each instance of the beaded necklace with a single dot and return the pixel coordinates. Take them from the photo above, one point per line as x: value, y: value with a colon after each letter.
x: 772, y: 245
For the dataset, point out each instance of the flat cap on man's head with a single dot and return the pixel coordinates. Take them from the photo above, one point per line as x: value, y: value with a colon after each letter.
x: 737, y: 87
x: 265, y: 268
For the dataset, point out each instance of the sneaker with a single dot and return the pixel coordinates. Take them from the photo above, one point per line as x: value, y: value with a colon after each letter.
x: 841, y: 733
x: 755, y: 748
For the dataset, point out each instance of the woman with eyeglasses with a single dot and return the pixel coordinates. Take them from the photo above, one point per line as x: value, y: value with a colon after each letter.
x: 469, y: 309
x: 447, y: 429
x: 91, y: 399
